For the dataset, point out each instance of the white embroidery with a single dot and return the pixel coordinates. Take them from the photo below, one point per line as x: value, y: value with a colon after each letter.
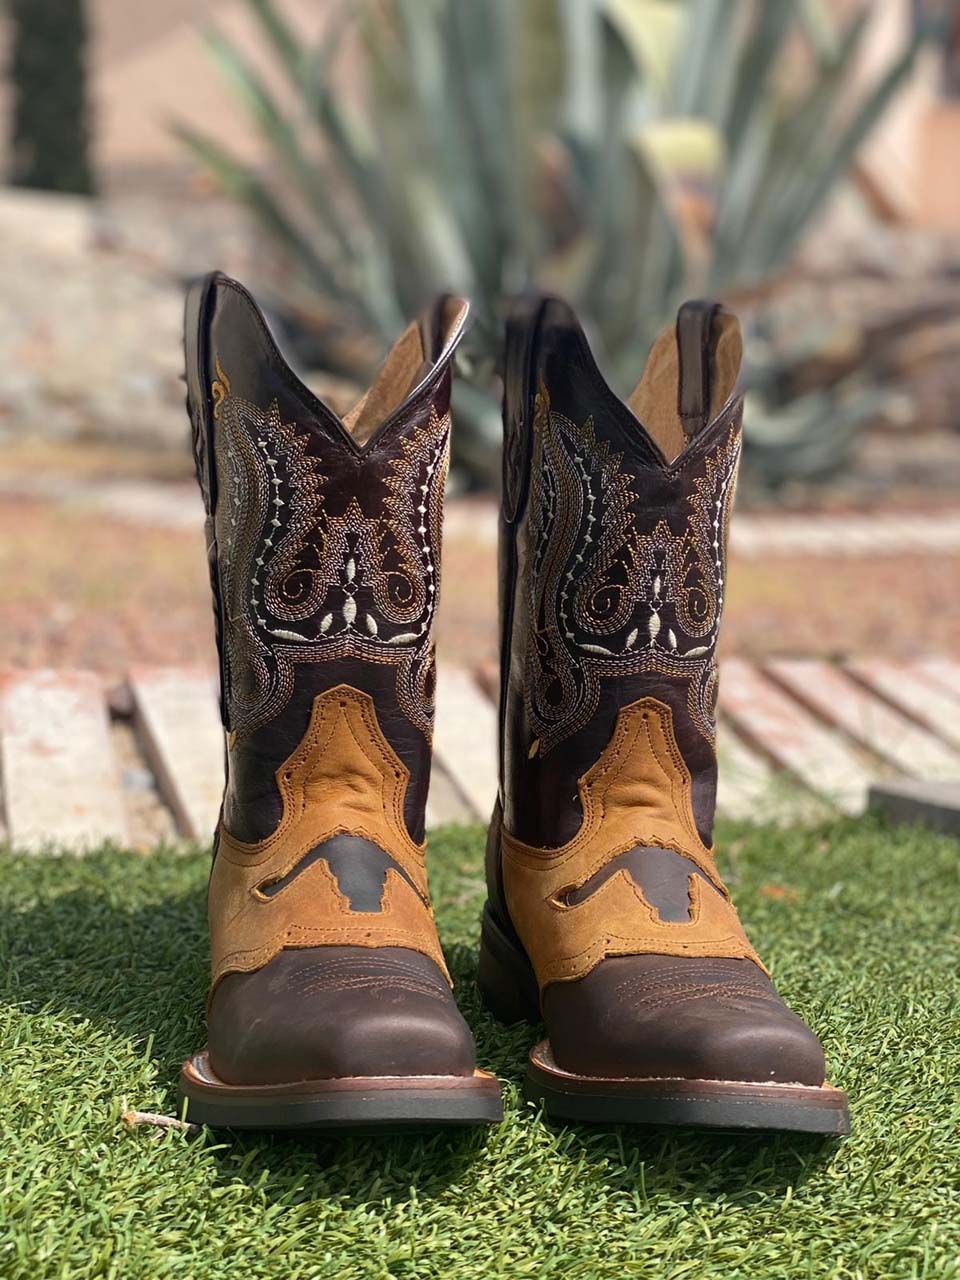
x: 302, y: 585
x: 610, y: 594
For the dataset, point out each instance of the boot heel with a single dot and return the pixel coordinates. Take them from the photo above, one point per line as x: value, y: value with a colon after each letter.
x: 507, y: 983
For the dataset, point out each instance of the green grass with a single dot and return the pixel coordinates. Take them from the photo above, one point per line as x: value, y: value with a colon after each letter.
x: 103, y: 973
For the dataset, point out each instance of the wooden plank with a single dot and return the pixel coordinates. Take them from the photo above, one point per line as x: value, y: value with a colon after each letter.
x: 464, y: 738
x: 781, y: 729
x: 841, y: 702
x: 935, y: 804
x: 902, y: 684
x: 744, y: 778
x: 487, y: 676
x: 445, y: 802
x: 748, y: 788
x: 149, y: 820
x: 943, y: 672
x: 177, y: 724
x: 60, y: 780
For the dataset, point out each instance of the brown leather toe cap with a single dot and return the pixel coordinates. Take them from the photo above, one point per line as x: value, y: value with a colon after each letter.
x: 660, y: 1016
x: 333, y: 1012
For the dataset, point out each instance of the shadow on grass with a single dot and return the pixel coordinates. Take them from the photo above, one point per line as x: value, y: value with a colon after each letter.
x: 139, y: 973
x: 675, y: 1165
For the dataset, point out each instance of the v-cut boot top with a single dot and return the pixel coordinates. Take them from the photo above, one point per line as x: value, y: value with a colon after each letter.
x: 616, y: 514
x: 323, y: 536
x: 690, y: 375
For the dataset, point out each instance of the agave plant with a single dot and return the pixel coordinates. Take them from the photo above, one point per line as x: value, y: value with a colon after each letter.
x: 622, y: 152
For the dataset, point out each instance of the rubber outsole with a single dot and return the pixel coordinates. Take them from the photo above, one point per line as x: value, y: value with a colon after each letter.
x: 509, y: 992
x: 360, y: 1102
x: 702, y: 1104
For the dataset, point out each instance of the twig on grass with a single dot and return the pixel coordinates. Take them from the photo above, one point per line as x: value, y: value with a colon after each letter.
x: 134, y: 1118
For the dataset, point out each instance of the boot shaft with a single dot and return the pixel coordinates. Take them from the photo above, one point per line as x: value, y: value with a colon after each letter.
x: 613, y: 548
x: 324, y: 540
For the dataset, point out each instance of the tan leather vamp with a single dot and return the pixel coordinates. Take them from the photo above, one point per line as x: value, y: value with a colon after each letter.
x: 638, y: 793
x: 344, y: 777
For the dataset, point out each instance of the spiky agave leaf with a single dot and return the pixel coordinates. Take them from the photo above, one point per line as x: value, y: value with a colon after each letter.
x: 495, y: 144
x: 243, y: 183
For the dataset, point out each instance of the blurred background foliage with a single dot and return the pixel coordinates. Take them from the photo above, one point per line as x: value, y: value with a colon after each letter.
x: 50, y: 142
x: 624, y: 153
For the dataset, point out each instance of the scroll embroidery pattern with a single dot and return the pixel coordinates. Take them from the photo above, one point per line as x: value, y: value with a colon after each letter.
x: 614, y: 591
x: 302, y: 582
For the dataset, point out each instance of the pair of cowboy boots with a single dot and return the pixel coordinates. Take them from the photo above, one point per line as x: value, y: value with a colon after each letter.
x: 330, y: 1003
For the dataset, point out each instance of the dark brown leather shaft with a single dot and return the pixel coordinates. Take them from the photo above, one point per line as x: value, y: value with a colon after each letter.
x: 279, y: 454
x: 324, y: 548
x: 613, y: 575
x: 613, y: 585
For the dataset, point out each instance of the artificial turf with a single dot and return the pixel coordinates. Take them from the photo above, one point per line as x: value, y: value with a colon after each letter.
x: 103, y: 973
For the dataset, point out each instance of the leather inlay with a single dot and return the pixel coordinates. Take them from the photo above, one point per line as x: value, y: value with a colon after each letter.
x: 662, y: 876
x: 637, y: 794
x: 343, y: 778
x: 358, y: 866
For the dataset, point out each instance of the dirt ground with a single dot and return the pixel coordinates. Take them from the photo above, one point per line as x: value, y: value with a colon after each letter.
x: 80, y: 589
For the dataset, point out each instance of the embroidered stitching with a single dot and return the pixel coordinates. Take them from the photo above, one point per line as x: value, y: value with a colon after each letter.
x: 319, y: 585
x: 668, y: 997
x: 608, y: 597
x: 593, y: 790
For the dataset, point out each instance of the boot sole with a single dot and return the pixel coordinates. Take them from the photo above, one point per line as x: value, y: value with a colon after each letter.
x: 703, y: 1104
x: 360, y: 1102
x: 509, y: 991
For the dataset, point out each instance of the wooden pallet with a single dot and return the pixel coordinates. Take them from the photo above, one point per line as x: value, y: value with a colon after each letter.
x: 81, y: 765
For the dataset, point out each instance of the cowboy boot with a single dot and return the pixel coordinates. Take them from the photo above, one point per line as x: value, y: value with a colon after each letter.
x: 606, y: 912
x: 330, y: 1003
